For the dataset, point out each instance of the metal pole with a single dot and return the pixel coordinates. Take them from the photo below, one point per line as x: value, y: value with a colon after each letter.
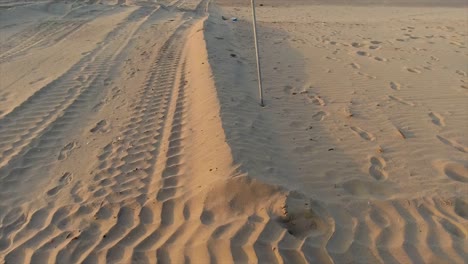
x: 259, y: 71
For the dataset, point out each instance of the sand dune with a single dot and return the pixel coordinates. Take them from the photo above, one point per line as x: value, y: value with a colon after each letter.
x: 359, y: 135
x: 130, y: 132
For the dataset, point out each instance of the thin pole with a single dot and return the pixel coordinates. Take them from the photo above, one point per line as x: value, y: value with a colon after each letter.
x: 259, y: 71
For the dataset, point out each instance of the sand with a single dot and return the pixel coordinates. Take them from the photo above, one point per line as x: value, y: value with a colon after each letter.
x: 130, y: 132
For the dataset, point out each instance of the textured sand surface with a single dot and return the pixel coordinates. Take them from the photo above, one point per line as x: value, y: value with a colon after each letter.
x: 130, y: 132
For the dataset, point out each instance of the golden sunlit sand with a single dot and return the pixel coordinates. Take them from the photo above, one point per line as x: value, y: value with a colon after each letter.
x: 130, y: 132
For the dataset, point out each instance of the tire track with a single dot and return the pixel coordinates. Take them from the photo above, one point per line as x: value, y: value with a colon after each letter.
x: 27, y: 133
x: 51, y: 34
x: 133, y: 157
x: 47, y: 33
x: 170, y: 228
x: 24, y: 36
x: 140, y: 209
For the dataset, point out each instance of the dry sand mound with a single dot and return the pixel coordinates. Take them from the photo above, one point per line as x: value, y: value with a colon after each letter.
x: 350, y: 123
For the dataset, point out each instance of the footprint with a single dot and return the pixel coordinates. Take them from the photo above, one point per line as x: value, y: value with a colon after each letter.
x: 347, y: 112
x: 287, y: 89
x: 4, y: 97
x: 332, y: 58
x: 355, y: 66
x: 376, y: 169
x: 320, y: 116
x: 437, y: 119
x: 363, y: 53
x: 370, y: 77
x: 368, y: 189
x: 78, y: 192
x: 66, y: 178
x: 363, y: 134
x: 102, y: 127
x: 116, y: 91
x: 398, y: 99
x: 357, y: 45
x: 456, y: 43
x: 395, y: 86
x: 456, y: 171
x: 65, y: 151
x: 413, y: 70
x: 403, y: 133
x: 376, y: 42
x: 98, y: 106
x: 316, y: 99
x: 380, y: 59
x: 37, y: 80
x: 296, y: 124
x: 453, y: 144
x: 461, y: 73
x: 374, y: 47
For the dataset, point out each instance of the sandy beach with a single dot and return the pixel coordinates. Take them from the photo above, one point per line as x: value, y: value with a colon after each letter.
x: 131, y: 132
